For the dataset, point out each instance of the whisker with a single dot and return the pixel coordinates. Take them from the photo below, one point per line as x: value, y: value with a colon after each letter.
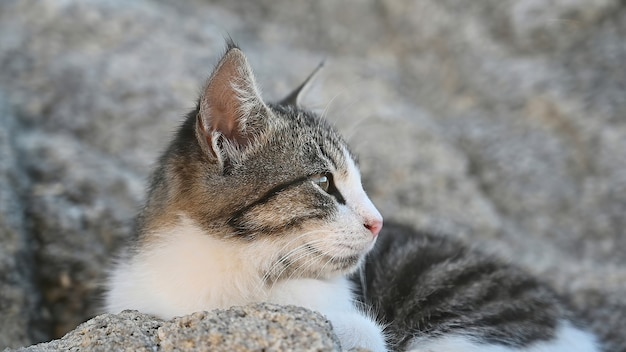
x: 290, y: 261
x: 292, y: 274
x: 319, y: 253
x: 290, y: 256
x: 355, y: 126
x: 327, y: 107
x: 278, y: 254
x: 306, y: 247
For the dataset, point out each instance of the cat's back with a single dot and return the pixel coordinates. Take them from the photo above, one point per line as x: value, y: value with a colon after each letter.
x: 435, y: 293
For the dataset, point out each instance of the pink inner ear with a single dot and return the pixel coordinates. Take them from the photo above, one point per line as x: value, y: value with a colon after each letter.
x: 223, y: 112
x: 222, y: 104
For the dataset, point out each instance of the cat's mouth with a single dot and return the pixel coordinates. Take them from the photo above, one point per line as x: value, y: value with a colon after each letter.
x: 341, y: 263
x: 317, y: 262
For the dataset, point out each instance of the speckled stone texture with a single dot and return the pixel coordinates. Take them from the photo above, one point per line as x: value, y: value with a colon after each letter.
x: 502, y: 123
x: 261, y: 327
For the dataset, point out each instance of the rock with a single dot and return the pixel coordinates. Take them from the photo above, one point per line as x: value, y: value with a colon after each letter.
x: 261, y: 327
x: 20, y: 301
x: 545, y: 25
x: 501, y: 123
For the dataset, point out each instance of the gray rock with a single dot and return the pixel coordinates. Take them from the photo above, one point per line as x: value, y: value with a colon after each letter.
x: 20, y: 300
x: 555, y: 24
x: 498, y: 122
x: 261, y: 327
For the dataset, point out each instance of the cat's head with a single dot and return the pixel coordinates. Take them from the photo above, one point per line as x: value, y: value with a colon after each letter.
x: 273, y: 176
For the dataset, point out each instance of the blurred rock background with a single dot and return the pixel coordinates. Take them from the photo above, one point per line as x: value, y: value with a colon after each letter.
x: 499, y: 122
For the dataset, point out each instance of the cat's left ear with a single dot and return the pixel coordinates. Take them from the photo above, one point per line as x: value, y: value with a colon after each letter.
x: 231, y: 111
x: 296, y: 95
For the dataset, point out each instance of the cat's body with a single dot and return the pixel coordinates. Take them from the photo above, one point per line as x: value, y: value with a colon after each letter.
x: 256, y: 202
x: 436, y: 294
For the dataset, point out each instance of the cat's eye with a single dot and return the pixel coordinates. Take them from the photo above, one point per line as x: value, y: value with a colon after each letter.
x: 323, y: 181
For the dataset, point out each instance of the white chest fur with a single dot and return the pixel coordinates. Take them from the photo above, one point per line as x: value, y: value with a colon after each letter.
x: 186, y: 270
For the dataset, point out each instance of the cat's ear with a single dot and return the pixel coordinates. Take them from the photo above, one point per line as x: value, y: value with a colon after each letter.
x: 296, y: 95
x: 231, y: 108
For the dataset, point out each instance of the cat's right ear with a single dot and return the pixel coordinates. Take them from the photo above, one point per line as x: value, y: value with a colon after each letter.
x: 296, y: 95
x: 231, y: 110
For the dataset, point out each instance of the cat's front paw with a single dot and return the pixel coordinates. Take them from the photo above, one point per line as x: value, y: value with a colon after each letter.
x: 357, y: 331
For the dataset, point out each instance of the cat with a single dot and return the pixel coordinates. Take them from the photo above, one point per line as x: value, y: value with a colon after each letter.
x: 251, y: 202
x: 436, y: 294
x: 259, y: 202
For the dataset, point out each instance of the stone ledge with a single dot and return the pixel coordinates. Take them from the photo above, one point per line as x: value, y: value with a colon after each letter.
x: 260, y: 327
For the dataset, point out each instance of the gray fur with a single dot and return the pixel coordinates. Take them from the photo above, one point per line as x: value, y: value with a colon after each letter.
x: 425, y: 286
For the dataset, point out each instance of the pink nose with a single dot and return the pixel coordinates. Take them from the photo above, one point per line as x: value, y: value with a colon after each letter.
x: 374, y: 225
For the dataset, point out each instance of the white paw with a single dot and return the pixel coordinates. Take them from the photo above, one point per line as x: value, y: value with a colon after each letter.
x: 355, y: 330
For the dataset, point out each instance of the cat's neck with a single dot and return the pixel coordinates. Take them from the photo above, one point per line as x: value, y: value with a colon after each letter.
x: 188, y: 270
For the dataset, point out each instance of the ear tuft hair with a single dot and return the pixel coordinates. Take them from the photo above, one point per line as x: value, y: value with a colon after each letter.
x: 231, y: 110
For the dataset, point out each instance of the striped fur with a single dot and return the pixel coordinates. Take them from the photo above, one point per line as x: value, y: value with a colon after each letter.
x: 434, y: 293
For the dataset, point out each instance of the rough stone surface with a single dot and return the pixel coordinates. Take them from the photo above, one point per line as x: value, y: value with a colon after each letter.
x: 20, y: 306
x: 262, y: 327
x: 499, y: 122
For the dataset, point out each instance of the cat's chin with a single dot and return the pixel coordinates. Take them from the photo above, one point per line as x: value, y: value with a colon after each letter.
x: 338, y: 267
x: 354, y: 266
x: 352, y: 263
x: 338, y: 273
x: 359, y: 260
